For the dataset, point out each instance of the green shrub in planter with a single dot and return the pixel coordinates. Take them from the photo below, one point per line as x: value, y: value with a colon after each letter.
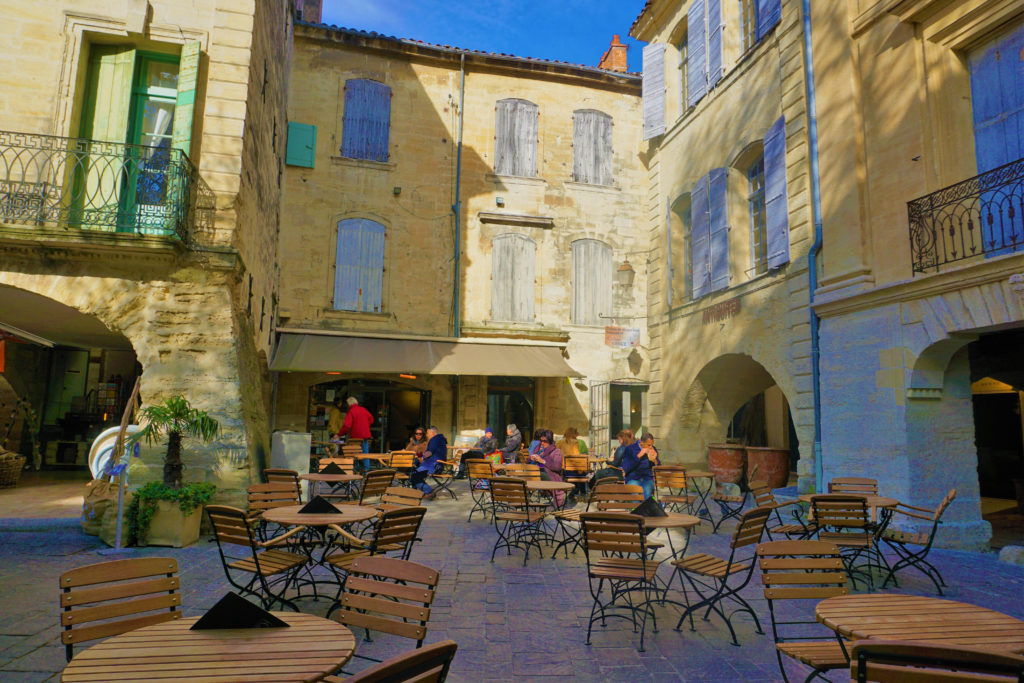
x: 143, y: 506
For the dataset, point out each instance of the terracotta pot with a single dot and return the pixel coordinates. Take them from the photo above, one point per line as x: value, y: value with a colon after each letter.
x: 772, y: 465
x: 727, y: 462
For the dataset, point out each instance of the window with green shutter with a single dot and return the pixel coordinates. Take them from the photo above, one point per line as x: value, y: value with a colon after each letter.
x: 301, y: 144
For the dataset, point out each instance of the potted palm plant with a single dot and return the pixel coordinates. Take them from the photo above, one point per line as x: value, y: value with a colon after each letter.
x: 168, y: 512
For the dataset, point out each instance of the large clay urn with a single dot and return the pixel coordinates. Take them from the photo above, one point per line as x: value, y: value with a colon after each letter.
x: 726, y: 462
x: 772, y: 465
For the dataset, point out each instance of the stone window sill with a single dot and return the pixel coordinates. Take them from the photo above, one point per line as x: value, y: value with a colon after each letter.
x: 510, y: 180
x: 332, y: 313
x: 363, y: 163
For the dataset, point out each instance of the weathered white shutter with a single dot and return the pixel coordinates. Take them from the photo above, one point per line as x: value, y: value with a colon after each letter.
x: 697, y: 47
x: 526, y: 139
x: 502, y: 269
x: 591, y: 282
x: 523, y: 258
x: 718, y: 181
x: 592, y: 147
x: 715, y: 30
x: 653, y: 90
x: 776, y: 205
x: 359, y: 266
x: 769, y: 12
x: 700, y: 241
x: 513, y: 273
x: 515, y: 138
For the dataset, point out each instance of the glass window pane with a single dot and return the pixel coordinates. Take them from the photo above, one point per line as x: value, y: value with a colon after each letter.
x: 161, y: 75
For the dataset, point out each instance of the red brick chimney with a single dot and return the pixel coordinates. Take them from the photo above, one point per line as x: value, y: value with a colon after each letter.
x: 614, y: 58
x: 309, y: 10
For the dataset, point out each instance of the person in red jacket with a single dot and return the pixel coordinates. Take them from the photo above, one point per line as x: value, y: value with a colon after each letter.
x: 357, y: 426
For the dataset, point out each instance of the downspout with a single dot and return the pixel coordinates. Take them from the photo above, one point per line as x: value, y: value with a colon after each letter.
x: 812, y: 259
x: 457, y: 206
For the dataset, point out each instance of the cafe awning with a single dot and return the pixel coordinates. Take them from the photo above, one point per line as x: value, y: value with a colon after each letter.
x: 313, y: 352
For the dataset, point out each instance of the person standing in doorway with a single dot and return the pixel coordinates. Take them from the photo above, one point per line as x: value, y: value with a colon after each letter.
x: 357, y: 426
x: 336, y: 418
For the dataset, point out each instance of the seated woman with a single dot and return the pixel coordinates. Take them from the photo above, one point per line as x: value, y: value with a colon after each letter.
x: 418, y: 441
x: 549, y: 459
x: 614, y: 468
x: 638, y: 461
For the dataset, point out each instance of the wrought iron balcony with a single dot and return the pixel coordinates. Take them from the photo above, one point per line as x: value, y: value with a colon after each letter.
x: 982, y: 215
x: 55, y: 182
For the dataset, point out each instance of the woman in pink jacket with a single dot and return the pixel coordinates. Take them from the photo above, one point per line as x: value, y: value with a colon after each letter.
x: 549, y: 458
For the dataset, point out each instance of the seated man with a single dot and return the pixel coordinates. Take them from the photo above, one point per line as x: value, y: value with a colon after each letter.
x: 437, y: 449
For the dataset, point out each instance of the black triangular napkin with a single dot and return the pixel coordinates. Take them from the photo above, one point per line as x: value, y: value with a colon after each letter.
x: 318, y: 506
x: 650, y: 508
x: 234, y: 611
x: 332, y: 468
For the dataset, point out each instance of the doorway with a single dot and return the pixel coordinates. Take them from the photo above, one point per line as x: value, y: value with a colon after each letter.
x: 397, y: 410
x: 510, y: 400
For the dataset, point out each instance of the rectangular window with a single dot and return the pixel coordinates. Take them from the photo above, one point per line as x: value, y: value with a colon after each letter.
x: 359, y: 266
x: 758, y: 224
x: 591, y: 282
x: 684, y: 56
x: 591, y: 147
x: 515, y: 138
x: 748, y: 23
x: 366, y: 123
x: 512, y: 268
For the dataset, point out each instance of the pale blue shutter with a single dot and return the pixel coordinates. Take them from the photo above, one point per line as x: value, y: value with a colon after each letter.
x: 697, y: 65
x: 769, y: 12
x: 715, y: 27
x: 653, y: 90
x: 301, y: 149
x: 367, y: 119
x: 719, y: 214
x: 776, y: 205
x: 359, y: 266
x: 700, y: 241
x: 591, y: 282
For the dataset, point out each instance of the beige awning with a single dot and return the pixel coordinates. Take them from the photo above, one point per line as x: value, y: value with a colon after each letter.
x: 328, y: 353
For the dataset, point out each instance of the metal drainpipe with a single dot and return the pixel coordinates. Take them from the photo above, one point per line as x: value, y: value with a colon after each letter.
x: 812, y: 259
x: 457, y: 206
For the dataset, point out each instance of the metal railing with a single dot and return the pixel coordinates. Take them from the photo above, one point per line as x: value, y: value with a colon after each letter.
x: 57, y: 182
x: 981, y: 215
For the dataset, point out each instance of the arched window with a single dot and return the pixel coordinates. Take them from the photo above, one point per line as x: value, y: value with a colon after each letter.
x: 512, y: 268
x: 359, y: 266
x: 515, y: 138
x: 591, y: 282
x: 591, y: 147
x: 366, y: 121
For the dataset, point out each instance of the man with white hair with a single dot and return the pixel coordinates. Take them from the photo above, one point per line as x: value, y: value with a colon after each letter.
x: 357, y: 426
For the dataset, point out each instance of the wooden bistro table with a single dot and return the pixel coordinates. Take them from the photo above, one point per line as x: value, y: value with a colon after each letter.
x: 891, y: 616
x: 549, y: 487
x: 701, y: 504
x: 289, y: 515
x: 313, y: 478
x: 674, y: 520
x: 309, y: 649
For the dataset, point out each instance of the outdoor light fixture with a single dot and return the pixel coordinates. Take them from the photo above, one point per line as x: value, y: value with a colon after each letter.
x: 333, y: 373
x: 407, y: 376
x: 625, y: 274
x: 397, y: 190
x: 500, y: 201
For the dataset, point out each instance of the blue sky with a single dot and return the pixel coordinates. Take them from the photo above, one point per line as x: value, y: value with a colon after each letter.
x: 576, y: 31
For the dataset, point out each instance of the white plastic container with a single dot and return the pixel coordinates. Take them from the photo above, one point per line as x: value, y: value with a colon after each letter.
x: 290, y: 450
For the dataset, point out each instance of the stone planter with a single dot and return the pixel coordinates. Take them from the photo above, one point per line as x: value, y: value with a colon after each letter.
x: 172, y: 527
x: 727, y: 462
x: 772, y: 465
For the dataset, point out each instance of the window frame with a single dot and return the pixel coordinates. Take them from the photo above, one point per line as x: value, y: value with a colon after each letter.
x: 757, y: 215
x: 748, y: 16
x: 380, y: 277
x: 518, y: 162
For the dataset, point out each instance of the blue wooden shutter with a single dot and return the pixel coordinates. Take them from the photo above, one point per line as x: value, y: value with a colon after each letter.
x: 776, y: 205
x: 715, y: 28
x: 301, y: 149
x: 653, y: 90
x: 700, y: 240
x: 769, y: 12
x: 719, y: 216
x: 359, y: 266
x: 367, y: 120
x: 697, y: 65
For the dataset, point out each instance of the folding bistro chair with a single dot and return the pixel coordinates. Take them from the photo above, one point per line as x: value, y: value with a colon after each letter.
x: 856, y: 485
x: 567, y: 518
x: 798, y: 529
x: 576, y: 471
x: 723, y: 580
x: 516, y: 519
x: 395, y: 497
x: 403, y: 463
x: 269, y: 569
x: 429, y: 664
x: 900, y: 541
x: 887, y: 661
x: 444, y: 474
x: 672, y: 480
x: 522, y: 471
x: 615, y: 544
x: 111, y: 598
x: 263, y: 497
x: 395, y: 532
x: 275, y: 475
x: 843, y: 519
x: 803, y: 570
x: 479, y: 473
x: 375, y: 482
x: 730, y: 506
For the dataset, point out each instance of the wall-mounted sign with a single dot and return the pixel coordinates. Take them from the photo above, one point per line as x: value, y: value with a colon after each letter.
x: 621, y: 337
x: 723, y: 311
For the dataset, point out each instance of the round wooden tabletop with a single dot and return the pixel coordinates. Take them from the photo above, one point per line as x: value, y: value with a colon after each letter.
x: 673, y: 520
x: 913, y: 617
x: 331, y: 478
x: 699, y: 474
x: 542, y: 485
x: 289, y: 514
x: 310, y: 648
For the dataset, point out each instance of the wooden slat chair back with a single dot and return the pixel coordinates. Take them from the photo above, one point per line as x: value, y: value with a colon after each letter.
x: 516, y: 520
x: 400, y: 497
x: 346, y: 463
x: 263, y: 497
x: 672, y: 480
x: 716, y: 580
x: 352, y: 448
x: 395, y: 532
x: 901, y: 541
x: 843, y: 519
x: 522, y: 471
x: 478, y: 472
x: 276, y: 475
x: 885, y: 661
x: 388, y: 595
x: 617, y: 497
x: 615, y: 544
x: 798, y: 529
x: 575, y: 468
x: 428, y: 664
x: 403, y: 462
x: 375, y: 483
x: 857, y: 485
x: 110, y: 598
x: 270, y: 570
x: 572, y: 536
x: 803, y: 570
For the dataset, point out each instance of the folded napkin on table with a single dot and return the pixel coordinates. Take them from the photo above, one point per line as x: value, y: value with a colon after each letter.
x: 234, y: 611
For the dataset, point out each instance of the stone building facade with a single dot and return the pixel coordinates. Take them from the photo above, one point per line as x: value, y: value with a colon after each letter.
x: 142, y: 152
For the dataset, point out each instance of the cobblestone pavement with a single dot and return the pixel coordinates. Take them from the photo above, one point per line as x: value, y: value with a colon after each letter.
x: 512, y: 623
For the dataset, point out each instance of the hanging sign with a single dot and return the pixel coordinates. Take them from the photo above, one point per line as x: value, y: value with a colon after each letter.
x: 621, y: 337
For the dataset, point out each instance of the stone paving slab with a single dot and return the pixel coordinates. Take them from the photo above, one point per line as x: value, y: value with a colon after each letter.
x: 512, y: 623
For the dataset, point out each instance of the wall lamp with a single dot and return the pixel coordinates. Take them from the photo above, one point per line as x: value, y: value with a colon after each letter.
x: 625, y: 274
x: 500, y: 201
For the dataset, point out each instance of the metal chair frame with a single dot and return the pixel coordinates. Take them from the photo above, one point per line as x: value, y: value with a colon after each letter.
x: 479, y: 470
x: 515, y: 518
x: 900, y: 542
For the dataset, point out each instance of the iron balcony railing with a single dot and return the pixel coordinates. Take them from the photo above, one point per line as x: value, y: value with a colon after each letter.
x: 56, y: 182
x: 982, y: 215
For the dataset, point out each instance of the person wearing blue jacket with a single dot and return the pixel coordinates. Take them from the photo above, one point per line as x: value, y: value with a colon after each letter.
x: 638, y: 461
x: 437, y: 449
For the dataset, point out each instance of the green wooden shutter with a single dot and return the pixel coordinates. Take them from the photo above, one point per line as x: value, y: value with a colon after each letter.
x: 301, y: 144
x: 108, y: 93
x: 184, y: 105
